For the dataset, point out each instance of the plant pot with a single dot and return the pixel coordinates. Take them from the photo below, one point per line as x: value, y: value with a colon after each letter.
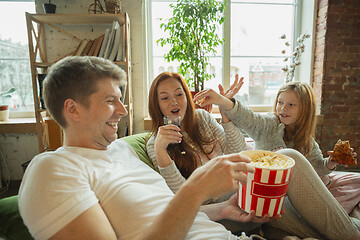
x: 4, y: 113
x: 207, y: 108
x: 49, y: 7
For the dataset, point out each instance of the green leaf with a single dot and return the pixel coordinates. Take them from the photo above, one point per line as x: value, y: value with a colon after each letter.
x: 192, y: 37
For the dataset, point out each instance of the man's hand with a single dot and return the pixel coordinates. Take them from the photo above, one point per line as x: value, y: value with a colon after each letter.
x: 231, y: 210
x: 220, y: 175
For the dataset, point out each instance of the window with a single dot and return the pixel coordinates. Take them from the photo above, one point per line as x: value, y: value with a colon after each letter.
x: 14, y: 55
x: 252, y: 48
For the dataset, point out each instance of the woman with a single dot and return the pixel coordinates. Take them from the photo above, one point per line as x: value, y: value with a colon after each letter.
x: 176, y: 154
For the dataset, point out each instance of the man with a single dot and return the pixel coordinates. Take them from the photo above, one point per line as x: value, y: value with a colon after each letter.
x: 95, y: 187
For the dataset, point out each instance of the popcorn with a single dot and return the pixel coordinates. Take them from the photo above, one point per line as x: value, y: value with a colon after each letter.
x: 272, y: 162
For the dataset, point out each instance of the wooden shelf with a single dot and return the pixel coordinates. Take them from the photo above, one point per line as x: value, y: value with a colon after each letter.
x: 71, y: 27
x: 78, y: 18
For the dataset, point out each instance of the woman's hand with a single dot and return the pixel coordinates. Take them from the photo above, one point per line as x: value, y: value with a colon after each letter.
x: 166, y: 135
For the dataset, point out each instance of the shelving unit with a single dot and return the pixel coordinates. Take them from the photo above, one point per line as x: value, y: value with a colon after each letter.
x: 46, y: 32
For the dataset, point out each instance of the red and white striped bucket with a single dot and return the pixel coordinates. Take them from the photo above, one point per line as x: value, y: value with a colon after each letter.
x: 266, y: 188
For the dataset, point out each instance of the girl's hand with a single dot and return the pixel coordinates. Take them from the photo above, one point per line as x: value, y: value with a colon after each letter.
x: 209, y: 96
x: 330, y: 164
x: 353, y: 153
x: 234, y: 88
x: 333, y: 164
x: 167, y: 134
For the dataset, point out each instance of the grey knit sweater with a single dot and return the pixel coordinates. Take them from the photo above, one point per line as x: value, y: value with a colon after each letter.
x: 267, y: 132
x: 228, y: 136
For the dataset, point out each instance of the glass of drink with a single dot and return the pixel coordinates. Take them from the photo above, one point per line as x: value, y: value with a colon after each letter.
x: 173, y: 119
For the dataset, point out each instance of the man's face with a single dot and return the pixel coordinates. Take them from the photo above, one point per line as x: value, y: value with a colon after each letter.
x: 100, y: 120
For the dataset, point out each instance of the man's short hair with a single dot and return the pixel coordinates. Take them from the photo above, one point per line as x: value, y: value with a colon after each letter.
x: 76, y: 78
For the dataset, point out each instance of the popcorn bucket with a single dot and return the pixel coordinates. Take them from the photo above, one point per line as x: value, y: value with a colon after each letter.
x: 265, y: 189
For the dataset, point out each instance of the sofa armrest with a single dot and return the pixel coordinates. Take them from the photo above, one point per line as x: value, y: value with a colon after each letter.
x: 11, y: 224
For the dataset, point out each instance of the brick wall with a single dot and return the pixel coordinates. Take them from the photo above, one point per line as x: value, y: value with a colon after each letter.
x: 337, y: 73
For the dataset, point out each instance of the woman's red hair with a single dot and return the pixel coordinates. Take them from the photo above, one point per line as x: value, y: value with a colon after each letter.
x: 186, y: 163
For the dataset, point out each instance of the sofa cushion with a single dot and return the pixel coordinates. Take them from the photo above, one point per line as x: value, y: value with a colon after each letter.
x: 138, y: 143
x: 11, y: 224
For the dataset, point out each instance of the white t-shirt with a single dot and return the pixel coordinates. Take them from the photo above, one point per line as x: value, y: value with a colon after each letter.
x: 59, y: 186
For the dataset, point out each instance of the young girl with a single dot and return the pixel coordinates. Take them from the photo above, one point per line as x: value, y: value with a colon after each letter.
x: 292, y: 125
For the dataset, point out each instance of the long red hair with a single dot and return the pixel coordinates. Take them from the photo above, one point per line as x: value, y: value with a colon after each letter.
x: 186, y: 163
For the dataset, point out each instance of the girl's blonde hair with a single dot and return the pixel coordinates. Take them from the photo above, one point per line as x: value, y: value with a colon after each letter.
x: 186, y: 163
x: 304, y: 131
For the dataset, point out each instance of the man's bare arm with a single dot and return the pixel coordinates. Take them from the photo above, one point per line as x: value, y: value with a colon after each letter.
x: 91, y: 224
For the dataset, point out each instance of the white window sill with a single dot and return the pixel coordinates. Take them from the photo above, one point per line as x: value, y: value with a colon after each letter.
x: 18, y: 125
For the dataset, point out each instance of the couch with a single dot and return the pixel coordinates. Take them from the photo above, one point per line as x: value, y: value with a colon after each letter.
x: 13, y: 228
x: 11, y: 224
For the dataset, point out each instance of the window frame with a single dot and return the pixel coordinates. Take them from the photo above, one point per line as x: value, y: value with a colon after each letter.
x: 305, y: 22
x: 28, y: 116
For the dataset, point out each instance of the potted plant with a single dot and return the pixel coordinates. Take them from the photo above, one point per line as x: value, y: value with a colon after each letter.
x: 4, y: 104
x: 49, y: 7
x: 193, y: 37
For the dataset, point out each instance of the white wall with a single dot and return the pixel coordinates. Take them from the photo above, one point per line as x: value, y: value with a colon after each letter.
x: 19, y: 148
x: 16, y: 149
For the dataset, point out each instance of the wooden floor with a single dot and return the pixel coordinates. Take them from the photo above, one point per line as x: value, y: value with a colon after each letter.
x: 11, y: 190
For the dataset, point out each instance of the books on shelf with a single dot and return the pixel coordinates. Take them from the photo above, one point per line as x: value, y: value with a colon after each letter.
x: 92, y: 49
x: 110, y: 45
x: 116, y: 45
x: 110, y: 42
x: 121, y: 50
x: 98, y: 43
x: 87, y: 48
x: 123, y: 91
x: 104, y: 43
x: 81, y: 47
